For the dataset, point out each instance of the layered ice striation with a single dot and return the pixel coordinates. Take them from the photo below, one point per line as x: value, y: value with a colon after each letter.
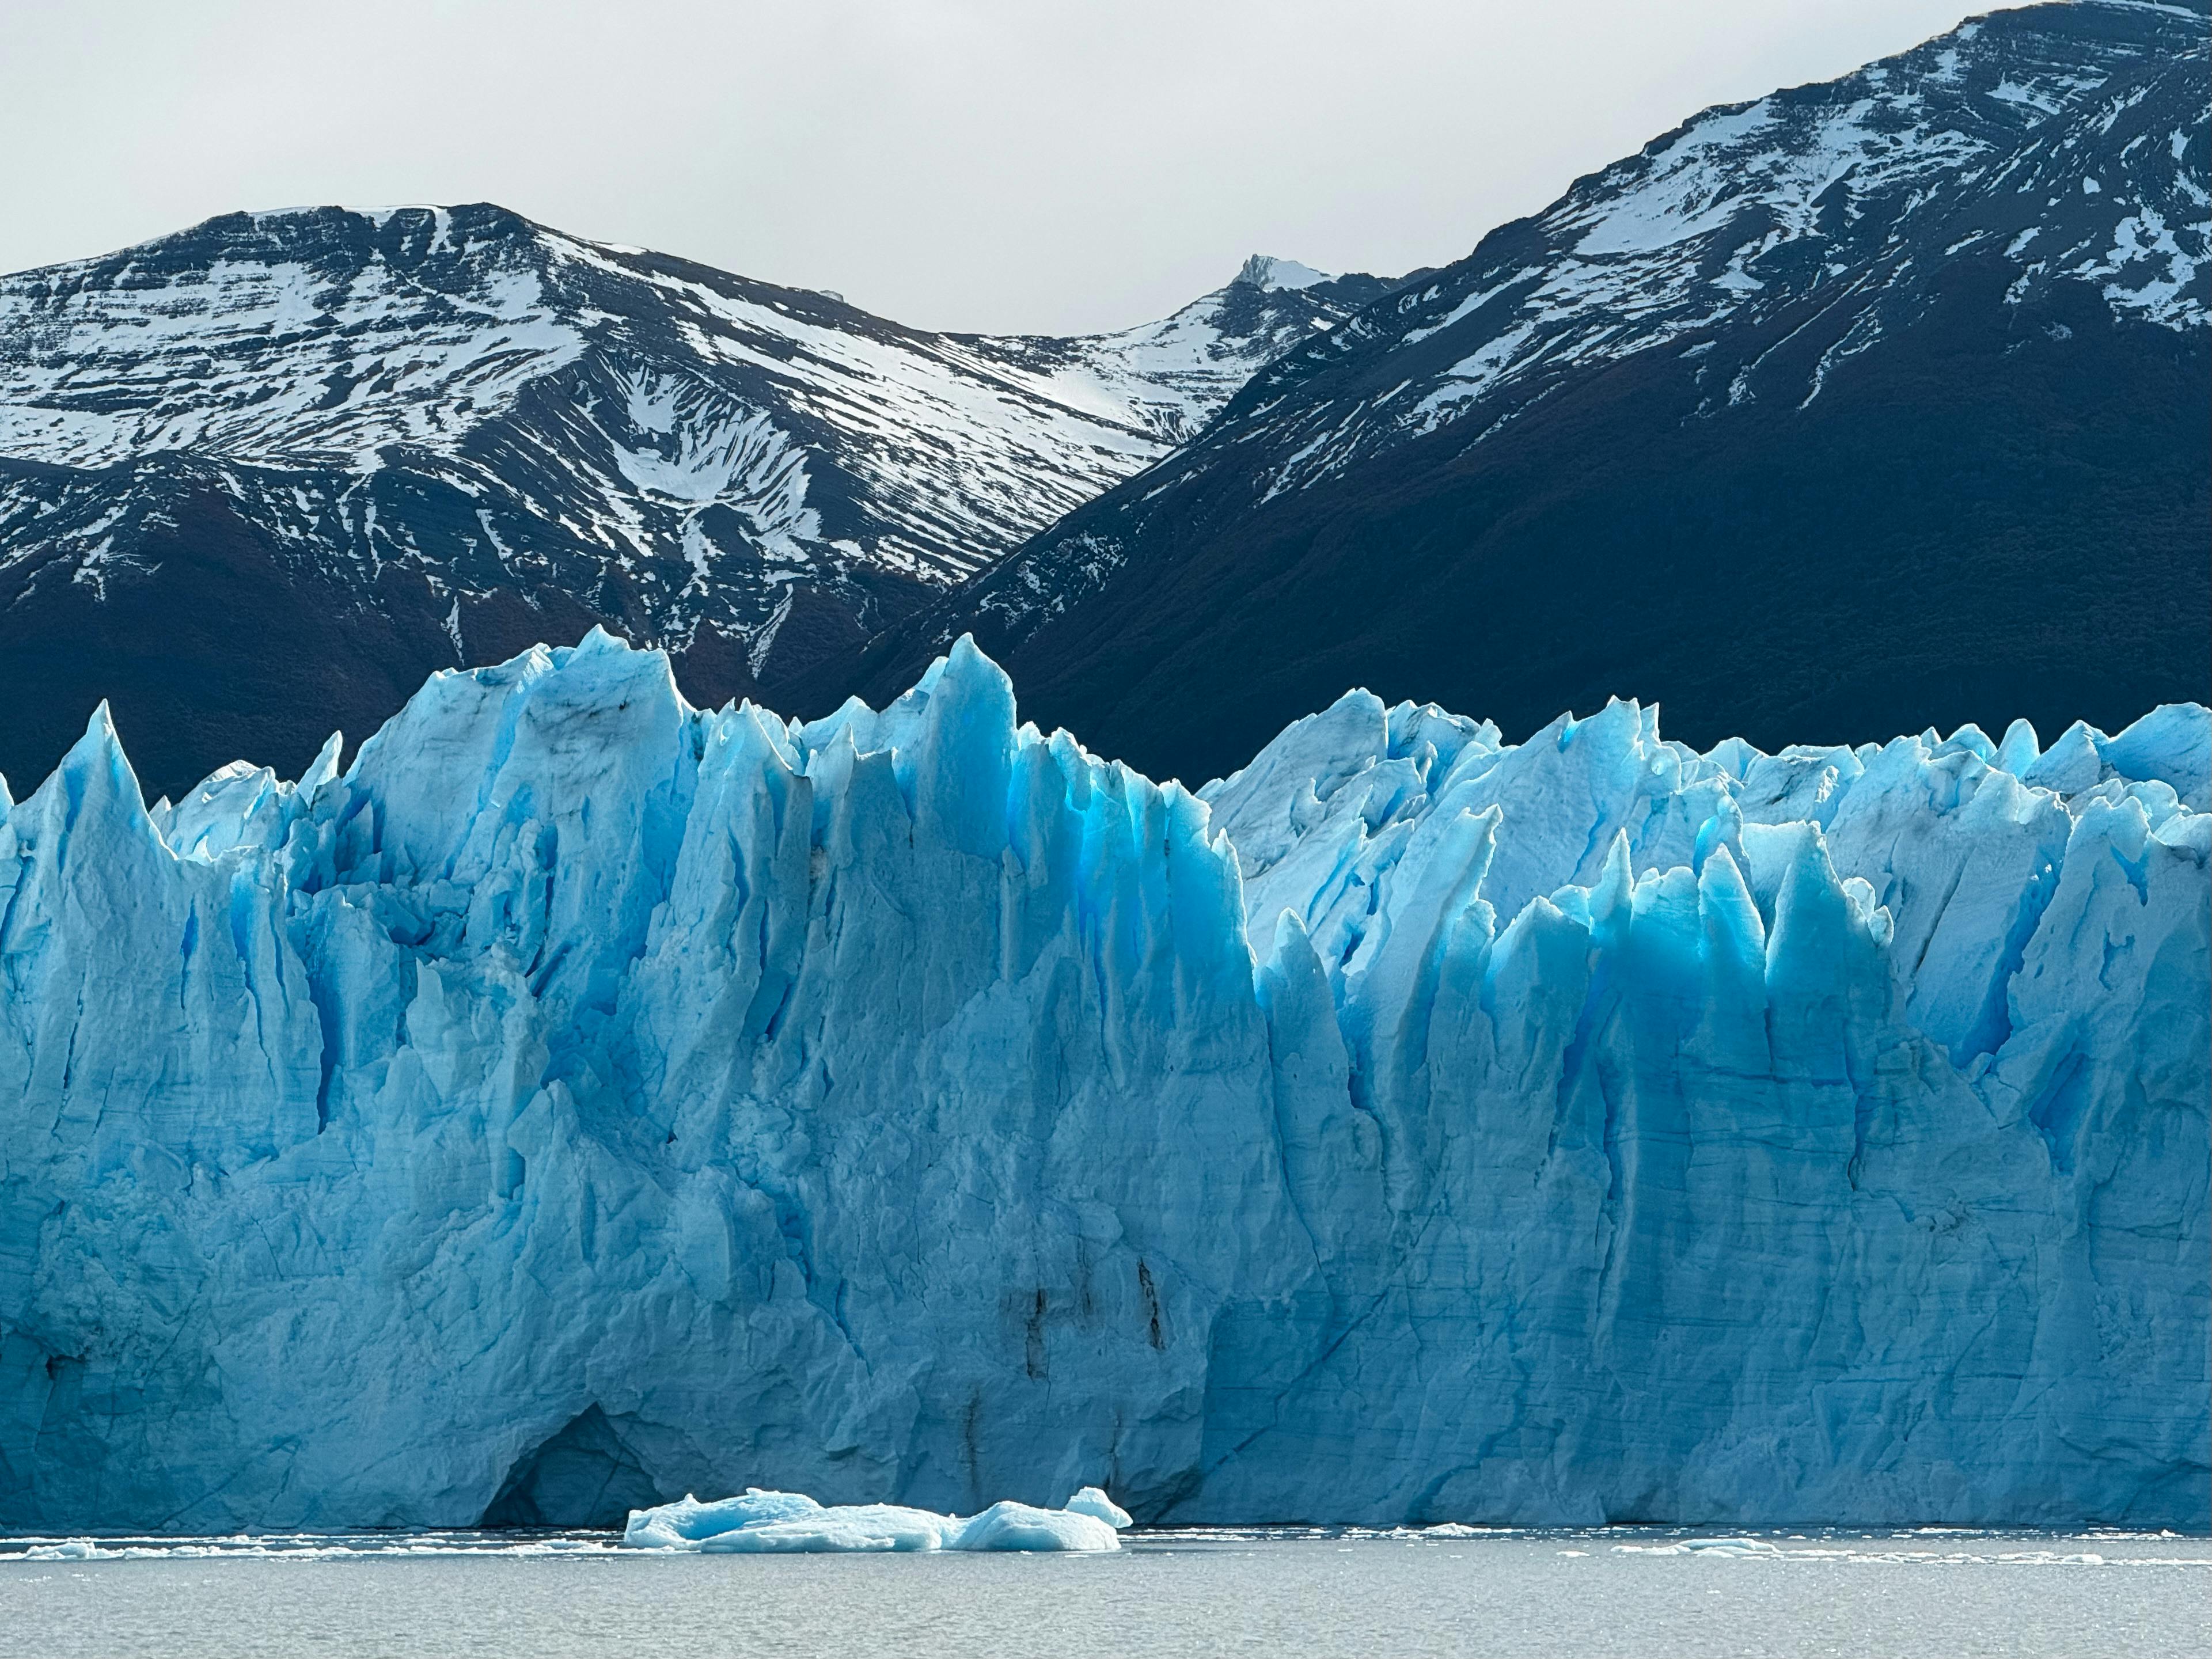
x: 582, y: 1099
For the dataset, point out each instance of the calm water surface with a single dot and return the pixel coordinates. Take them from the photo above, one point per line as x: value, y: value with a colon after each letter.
x: 1316, y: 1595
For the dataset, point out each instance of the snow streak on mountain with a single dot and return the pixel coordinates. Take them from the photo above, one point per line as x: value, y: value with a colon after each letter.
x: 457, y: 432
x: 1915, y: 357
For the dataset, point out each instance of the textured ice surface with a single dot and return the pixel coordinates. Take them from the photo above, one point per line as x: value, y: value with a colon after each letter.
x: 786, y: 1523
x: 583, y: 1099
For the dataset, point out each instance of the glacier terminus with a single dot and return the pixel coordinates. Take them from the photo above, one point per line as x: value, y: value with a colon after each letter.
x: 582, y: 1099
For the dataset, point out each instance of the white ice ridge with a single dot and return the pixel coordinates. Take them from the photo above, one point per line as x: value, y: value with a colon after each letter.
x: 582, y: 1099
x: 787, y: 1523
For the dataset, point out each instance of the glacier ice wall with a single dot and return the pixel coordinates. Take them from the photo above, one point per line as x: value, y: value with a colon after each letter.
x: 584, y: 1099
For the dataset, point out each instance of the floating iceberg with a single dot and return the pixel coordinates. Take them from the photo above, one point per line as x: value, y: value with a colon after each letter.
x: 582, y: 1098
x: 786, y: 1523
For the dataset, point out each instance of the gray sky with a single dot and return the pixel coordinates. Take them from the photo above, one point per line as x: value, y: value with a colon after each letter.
x: 1046, y: 166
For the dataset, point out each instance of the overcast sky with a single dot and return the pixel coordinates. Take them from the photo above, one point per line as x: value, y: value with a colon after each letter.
x: 1047, y: 166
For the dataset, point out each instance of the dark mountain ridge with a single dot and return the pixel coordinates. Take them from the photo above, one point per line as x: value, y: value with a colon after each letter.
x: 1869, y: 405
x: 260, y: 478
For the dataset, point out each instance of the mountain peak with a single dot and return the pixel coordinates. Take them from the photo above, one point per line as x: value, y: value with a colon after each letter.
x: 1848, y: 338
x: 326, y: 236
x: 434, y: 429
x: 1266, y: 273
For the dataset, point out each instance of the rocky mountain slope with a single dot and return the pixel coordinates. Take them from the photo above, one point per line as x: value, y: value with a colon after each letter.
x: 261, y: 477
x: 1867, y: 404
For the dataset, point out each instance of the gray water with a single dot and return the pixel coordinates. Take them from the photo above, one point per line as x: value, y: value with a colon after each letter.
x: 1314, y: 1594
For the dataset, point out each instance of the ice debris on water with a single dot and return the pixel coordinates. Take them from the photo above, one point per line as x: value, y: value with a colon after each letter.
x: 787, y: 1523
x: 581, y: 1098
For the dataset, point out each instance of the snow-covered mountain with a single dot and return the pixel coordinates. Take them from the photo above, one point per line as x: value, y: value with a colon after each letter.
x: 583, y: 1099
x: 398, y: 439
x: 1914, y: 361
x: 2068, y: 143
x: 1173, y: 376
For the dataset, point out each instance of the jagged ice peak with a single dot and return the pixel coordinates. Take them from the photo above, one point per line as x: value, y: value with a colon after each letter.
x: 908, y: 1106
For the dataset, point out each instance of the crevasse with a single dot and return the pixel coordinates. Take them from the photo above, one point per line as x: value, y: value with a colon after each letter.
x: 583, y: 1099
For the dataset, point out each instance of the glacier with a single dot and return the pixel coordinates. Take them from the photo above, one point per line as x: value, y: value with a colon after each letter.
x: 581, y: 1099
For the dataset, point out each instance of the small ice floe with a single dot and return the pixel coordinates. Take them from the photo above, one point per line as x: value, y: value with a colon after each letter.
x: 787, y: 1523
x: 69, y: 1549
x: 1715, y: 1547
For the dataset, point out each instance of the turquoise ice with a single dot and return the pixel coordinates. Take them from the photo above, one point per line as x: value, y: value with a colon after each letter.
x: 583, y: 1099
x: 789, y: 1523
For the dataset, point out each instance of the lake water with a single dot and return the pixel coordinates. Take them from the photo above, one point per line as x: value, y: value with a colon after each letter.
x: 1274, y: 1592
